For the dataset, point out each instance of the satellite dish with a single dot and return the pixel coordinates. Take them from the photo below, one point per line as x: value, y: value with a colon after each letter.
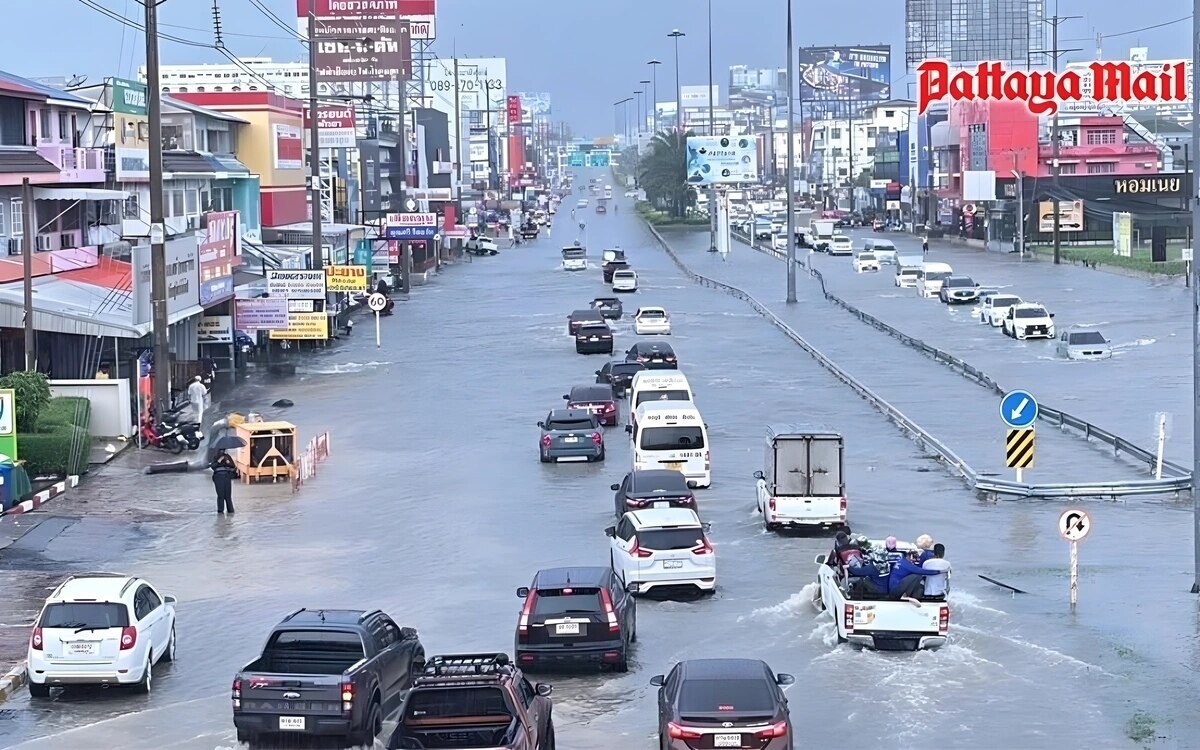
x: 77, y: 80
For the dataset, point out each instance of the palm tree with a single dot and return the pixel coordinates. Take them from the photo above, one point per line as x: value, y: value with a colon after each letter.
x: 664, y: 173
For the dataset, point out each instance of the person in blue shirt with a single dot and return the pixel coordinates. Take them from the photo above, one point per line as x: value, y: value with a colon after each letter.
x: 907, y: 579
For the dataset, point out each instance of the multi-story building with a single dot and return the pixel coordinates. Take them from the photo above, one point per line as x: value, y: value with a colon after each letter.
x: 254, y: 74
x: 965, y: 33
x: 842, y: 153
x: 1098, y: 144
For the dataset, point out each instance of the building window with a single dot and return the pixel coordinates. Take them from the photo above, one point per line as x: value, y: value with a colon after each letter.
x: 1103, y: 167
x: 43, y: 125
x: 837, y: 152
x: 889, y: 113
x: 1101, y: 137
x: 175, y: 207
x: 192, y: 199
x: 1067, y: 168
x: 18, y: 218
x: 870, y: 150
x: 12, y: 122
x: 64, y: 127
x: 835, y: 134
x: 871, y: 132
x: 132, y: 209
x: 3, y: 233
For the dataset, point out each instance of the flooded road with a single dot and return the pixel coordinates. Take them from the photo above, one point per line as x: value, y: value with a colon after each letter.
x: 434, y: 508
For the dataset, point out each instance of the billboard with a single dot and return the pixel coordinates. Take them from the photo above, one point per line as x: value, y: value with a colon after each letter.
x: 306, y: 326
x: 218, y: 256
x: 839, y: 82
x: 1122, y: 233
x: 1070, y: 216
x: 481, y: 83
x: 368, y: 8
x: 698, y: 97
x: 384, y: 55
x: 287, y: 146
x: 514, y: 110
x: 346, y: 278
x: 721, y: 160
x: 260, y: 314
x: 131, y: 130
x: 534, y: 104
x: 298, y: 284
x: 183, y: 277
x: 335, y: 125
x: 479, y: 148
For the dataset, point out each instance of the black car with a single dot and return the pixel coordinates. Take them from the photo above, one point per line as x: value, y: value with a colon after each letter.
x: 643, y: 488
x: 596, y: 399
x: 611, y: 267
x: 742, y: 697
x: 653, y: 354
x: 593, y: 338
x: 619, y: 374
x: 582, y: 317
x: 575, y: 616
x: 609, y: 307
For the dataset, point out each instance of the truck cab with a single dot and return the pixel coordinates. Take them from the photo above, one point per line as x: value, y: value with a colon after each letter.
x: 802, y: 484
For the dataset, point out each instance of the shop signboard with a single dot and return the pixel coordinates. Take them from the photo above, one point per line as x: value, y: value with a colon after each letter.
x: 367, y: 8
x: 721, y: 160
x: 218, y: 256
x: 1070, y: 216
x: 304, y: 326
x: 183, y: 277
x: 8, y: 425
x: 287, y: 146
x: 131, y: 130
x: 514, y: 110
x: 385, y: 54
x: 346, y: 278
x: 215, y: 329
x: 335, y: 125
x: 305, y: 284
x: 1122, y: 233
x: 260, y: 313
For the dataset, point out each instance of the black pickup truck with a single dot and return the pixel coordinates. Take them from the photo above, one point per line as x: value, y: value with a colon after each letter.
x: 475, y: 701
x: 328, y: 673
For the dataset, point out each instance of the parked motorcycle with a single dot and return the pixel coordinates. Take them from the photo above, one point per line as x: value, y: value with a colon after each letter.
x: 163, y: 436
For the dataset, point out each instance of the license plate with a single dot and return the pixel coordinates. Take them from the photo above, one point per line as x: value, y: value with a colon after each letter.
x: 593, y: 338
x: 669, y: 564
x: 292, y: 723
x: 566, y: 628
x: 571, y: 440
x: 82, y: 649
x: 676, y: 465
x: 727, y: 740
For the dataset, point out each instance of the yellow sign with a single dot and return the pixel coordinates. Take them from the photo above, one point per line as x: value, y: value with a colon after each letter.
x: 346, y: 278
x: 309, y: 326
x: 1018, y: 448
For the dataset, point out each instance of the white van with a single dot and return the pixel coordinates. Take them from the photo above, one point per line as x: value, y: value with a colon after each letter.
x: 649, y: 386
x: 672, y: 435
x: 930, y: 278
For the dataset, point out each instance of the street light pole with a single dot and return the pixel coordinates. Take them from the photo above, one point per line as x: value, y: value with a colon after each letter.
x: 675, y: 34
x: 713, y: 222
x: 158, y: 233
x: 314, y: 144
x: 787, y: 172
x: 1195, y: 302
x: 654, y: 90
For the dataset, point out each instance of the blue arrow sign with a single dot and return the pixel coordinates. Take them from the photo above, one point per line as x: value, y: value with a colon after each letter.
x: 410, y: 233
x: 1018, y: 409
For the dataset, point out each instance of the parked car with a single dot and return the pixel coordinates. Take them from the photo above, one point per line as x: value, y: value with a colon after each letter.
x: 609, y: 307
x: 653, y: 354
x: 480, y: 245
x: 570, y: 435
x: 744, y: 695
x: 958, y: 290
x: 865, y: 261
x: 594, y: 338
x: 625, y: 280
x: 1028, y: 320
x: 1083, y: 345
x: 651, y: 320
x: 327, y: 672
x: 596, y: 398
x: 574, y: 616
x: 619, y: 374
x: 652, y: 488
x: 100, y: 629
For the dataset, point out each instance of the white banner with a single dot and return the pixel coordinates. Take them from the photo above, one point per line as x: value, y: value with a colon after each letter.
x: 307, y: 284
x: 479, y: 149
x: 215, y: 329
x: 482, y: 83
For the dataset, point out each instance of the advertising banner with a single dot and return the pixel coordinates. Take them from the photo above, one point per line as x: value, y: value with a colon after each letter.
x: 514, y: 110
x: 260, y: 314
x: 218, y: 256
x: 8, y: 425
x: 335, y: 125
x: 1122, y: 233
x: 215, y: 329
x: 306, y: 284
x: 368, y: 162
x: 386, y: 57
x: 287, y: 146
x: 534, y: 104
x: 1070, y: 216
x: 183, y: 277
x: 698, y: 97
x: 839, y: 82
x: 412, y: 220
x: 368, y: 8
x: 479, y: 149
x: 305, y: 326
x: 481, y: 83
x: 721, y: 160
x: 346, y: 278
x: 131, y: 130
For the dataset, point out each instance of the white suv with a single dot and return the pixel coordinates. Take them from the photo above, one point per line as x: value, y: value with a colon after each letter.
x: 101, y: 629
x: 662, y: 548
x: 1028, y: 320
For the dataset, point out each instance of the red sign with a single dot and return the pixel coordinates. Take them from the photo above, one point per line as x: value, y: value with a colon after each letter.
x: 1042, y: 91
x: 218, y: 256
x: 335, y: 125
x: 368, y: 8
x: 514, y: 110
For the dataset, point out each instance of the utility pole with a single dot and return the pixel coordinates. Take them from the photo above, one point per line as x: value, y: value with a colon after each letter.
x: 675, y: 34
x: 158, y: 233
x: 787, y: 172
x: 405, y: 245
x: 458, y: 144
x: 1195, y: 300
x: 1055, y: 53
x: 850, y: 167
x: 713, y: 210
x: 29, y: 243
x: 314, y: 147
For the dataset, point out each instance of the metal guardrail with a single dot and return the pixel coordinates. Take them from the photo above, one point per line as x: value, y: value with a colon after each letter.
x: 985, y: 484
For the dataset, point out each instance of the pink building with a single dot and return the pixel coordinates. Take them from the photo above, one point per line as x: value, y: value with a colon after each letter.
x: 1099, y: 145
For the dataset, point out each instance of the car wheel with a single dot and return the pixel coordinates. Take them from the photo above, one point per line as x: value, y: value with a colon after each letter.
x: 544, y: 457
x: 771, y: 526
x: 39, y: 691
x: 633, y: 627
x: 622, y: 664
x: 601, y: 456
x: 246, y: 738
x: 372, y: 729
x: 169, y: 654
x: 143, y: 685
x: 818, y: 601
x: 549, y: 744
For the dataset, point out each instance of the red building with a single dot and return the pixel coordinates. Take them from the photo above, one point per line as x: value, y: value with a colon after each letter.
x: 1099, y: 145
x: 989, y: 135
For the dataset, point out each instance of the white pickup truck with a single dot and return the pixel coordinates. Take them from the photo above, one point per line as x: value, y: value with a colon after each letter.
x: 876, y: 622
x: 802, y: 484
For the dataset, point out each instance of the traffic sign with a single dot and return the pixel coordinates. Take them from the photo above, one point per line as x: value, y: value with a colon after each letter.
x: 1074, y: 524
x: 598, y: 159
x: 1018, y: 409
x: 1018, y: 449
x: 376, y: 302
x: 576, y: 159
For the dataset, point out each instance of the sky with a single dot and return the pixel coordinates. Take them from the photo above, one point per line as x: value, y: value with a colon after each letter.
x: 586, y: 53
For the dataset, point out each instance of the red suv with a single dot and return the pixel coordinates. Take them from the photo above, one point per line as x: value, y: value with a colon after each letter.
x: 597, y: 398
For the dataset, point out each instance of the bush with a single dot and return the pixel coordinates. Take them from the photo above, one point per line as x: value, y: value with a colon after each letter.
x: 32, y: 393
x: 61, y: 443
x: 75, y: 411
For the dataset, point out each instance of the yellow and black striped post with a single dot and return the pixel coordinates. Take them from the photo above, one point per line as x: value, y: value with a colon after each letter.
x: 1018, y: 448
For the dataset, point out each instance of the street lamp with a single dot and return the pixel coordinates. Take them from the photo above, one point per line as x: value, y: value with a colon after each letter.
x: 625, y: 117
x: 645, y: 84
x: 712, y: 123
x: 675, y: 34
x: 654, y: 89
x: 638, y: 106
x: 787, y: 172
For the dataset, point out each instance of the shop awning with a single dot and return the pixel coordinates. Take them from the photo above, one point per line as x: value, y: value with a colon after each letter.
x: 61, y: 306
x: 79, y: 194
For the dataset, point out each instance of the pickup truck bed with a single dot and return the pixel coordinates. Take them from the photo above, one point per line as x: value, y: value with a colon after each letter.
x: 464, y: 731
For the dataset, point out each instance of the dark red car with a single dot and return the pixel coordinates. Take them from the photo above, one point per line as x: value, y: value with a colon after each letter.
x: 597, y: 398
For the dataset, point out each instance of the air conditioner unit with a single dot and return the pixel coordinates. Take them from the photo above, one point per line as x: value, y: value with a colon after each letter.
x: 43, y: 242
x: 193, y: 222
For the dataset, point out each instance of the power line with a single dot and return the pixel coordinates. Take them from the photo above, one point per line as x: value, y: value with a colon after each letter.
x: 279, y: 22
x: 134, y: 25
x: 1119, y: 34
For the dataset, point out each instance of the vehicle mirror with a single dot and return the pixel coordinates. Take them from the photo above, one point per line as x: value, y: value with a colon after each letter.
x: 658, y: 680
x: 597, y: 372
x: 543, y: 689
x: 523, y: 592
x: 629, y: 429
x: 542, y: 425
x: 614, y: 487
x: 566, y: 396
x: 610, y: 531
x: 759, y: 475
x: 169, y: 599
x: 706, y: 526
x: 1052, y: 315
x: 784, y: 679
x: 819, y: 559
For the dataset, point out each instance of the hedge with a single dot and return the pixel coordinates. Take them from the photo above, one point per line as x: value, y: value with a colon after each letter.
x: 61, y: 444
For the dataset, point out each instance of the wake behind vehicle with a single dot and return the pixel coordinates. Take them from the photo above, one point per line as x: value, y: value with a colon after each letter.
x: 716, y: 703
x: 570, y: 435
x: 878, y: 622
x: 476, y: 701
x: 802, y: 484
x: 326, y: 673
x: 576, y: 616
x: 574, y: 258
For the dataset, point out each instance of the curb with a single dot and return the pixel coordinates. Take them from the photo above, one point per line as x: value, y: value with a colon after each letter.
x: 14, y: 680
x: 43, y: 497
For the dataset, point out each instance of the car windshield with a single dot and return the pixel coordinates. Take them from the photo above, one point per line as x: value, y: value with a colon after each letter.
x: 710, y: 696
x: 574, y: 254
x: 85, y: 615
x: 907, y: 272
x: 569, y: 424
x: 1030, y: 312
x: 623, y: 275
x: 664, y: 540
x: 675, y: 395
x: 937, y: 275
x: 960, y: 282
x: 1088, y: 337
x: 626, y: 368
x: 681, y: 437
x: 866, y: 256
x: 1005, y: 301
x: 559, y: 602
x: 450, y: 703
x: 592, y: 393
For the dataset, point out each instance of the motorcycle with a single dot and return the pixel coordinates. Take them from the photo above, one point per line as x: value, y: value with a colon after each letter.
x: 162, y: 436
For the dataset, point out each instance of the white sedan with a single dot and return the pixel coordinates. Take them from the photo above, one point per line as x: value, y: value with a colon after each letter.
x: 651, y: 321
x: 866, y: 262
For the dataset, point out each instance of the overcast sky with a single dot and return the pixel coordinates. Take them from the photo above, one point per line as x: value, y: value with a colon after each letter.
x: 586, y: 53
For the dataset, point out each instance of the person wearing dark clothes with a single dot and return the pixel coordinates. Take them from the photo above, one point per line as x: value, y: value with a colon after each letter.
x: 841, y: 542
x: 224, y: 472
x: 907, y: 579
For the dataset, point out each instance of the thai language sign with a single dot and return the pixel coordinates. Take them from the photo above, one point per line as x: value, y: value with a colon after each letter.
x: 307, y: 284
x: 346, y: 278
x: 309, y: 326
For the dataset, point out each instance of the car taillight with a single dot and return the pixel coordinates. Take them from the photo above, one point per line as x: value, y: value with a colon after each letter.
x: 704, y: 548
x: 637, y: 551
x: 771, y: 504
x: 35, y: 641
x: 347, y: 697
x: 609, y: 612
x: 526, y: 611
x: 597, y: 438
x: 707, y: 462
x: 236, y: 694
x: 128, y: 638
x: 643, y: 358
x: 546, y: 440
x: 944, y: 619
x: 848, y: 617
x: 610, y: 406
x: 631, y: 503
x: 778, y: 729
x: 669, y: 358
x: 842, y: 508
x: 678, y: 732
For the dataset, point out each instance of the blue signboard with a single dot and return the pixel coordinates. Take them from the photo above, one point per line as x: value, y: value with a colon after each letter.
x: 576, y: 159
x: 410, y: 233
x: 1018, y: 409
x: 598, y: 159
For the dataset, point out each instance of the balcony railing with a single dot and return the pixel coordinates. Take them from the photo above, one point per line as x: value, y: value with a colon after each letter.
x: 1106, y: 149
x: 76, y: 164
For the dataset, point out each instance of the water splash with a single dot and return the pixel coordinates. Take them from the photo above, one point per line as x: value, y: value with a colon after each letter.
x: 799, y: 603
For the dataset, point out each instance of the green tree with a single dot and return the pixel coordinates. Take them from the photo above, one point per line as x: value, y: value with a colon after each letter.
x: 664, y: 173
x: 31, y: 391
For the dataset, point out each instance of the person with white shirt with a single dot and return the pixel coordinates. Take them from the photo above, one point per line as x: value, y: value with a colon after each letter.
x: 938, y: 584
